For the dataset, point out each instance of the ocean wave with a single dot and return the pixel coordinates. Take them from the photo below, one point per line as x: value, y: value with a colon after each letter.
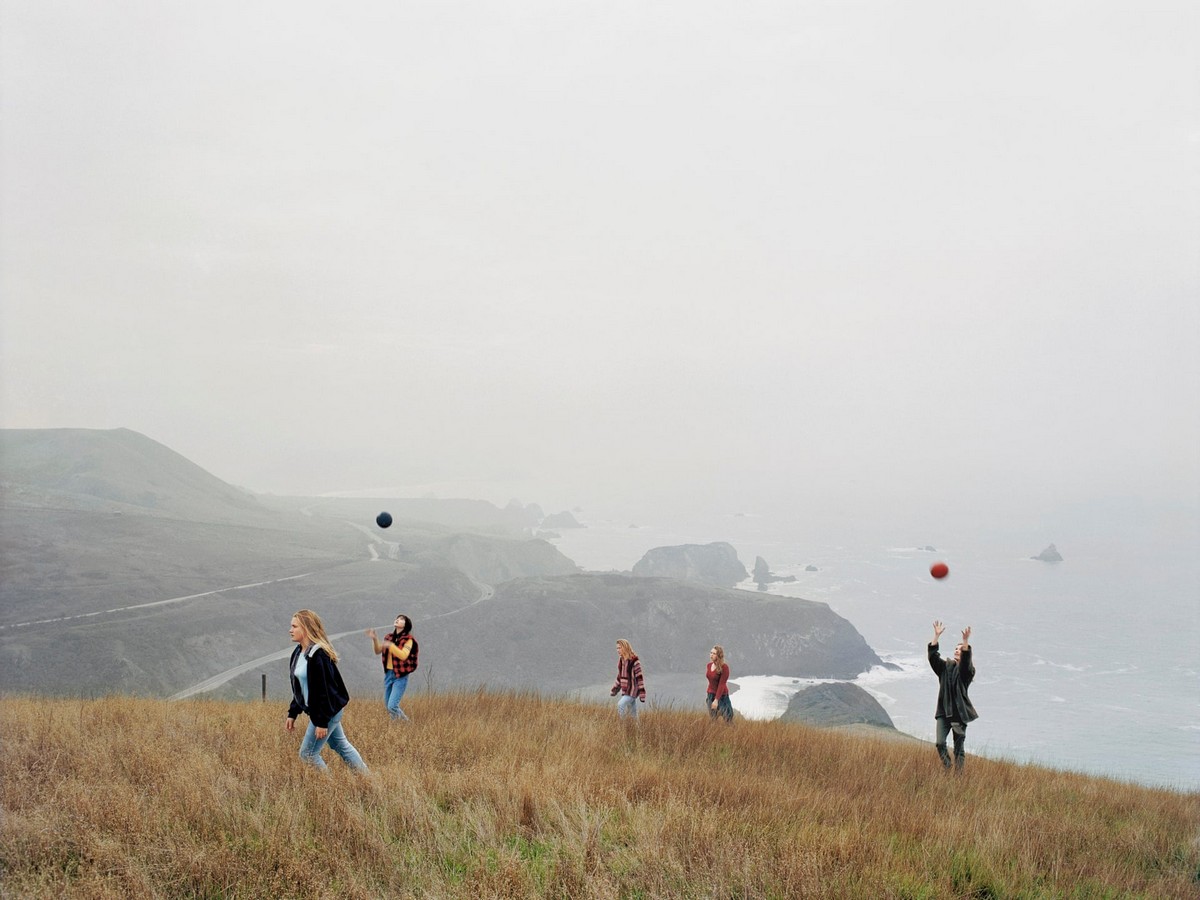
x: 765, y: 697
x: 909, y: 665
x: 1039, y: 661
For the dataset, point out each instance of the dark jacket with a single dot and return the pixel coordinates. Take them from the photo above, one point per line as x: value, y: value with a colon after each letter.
x: 953, y: 680
x: 327, y: 692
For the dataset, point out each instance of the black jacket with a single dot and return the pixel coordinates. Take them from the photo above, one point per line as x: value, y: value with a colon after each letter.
x: 954, y: 678
x: 327, y: 692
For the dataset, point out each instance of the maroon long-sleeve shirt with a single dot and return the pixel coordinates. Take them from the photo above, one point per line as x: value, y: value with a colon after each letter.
x: 716, y: 680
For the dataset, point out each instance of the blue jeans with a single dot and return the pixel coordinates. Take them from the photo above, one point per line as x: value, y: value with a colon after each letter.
x: 627, y: 706
x: 311, y: 746
x: 394, y: 687
x: 724, y: 707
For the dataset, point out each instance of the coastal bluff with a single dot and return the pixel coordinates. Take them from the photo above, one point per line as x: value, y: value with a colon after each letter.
x: 556, y: 633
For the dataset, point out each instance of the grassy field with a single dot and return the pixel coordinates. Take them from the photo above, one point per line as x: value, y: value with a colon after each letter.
x: 506, y: 795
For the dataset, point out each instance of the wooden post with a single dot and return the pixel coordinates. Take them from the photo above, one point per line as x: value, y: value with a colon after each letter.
x: 264, y: 675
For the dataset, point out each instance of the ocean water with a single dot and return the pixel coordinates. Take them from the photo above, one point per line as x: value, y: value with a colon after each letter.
x: 1091, y: 664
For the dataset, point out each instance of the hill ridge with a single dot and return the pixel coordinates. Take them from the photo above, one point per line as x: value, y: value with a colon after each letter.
x: 115, y: 469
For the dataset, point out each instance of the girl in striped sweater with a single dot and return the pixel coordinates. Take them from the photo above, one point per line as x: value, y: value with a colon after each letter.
x: 629, y: 684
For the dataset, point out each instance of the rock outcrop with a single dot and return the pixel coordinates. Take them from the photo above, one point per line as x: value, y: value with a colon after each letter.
x: 715, y: 564
x: 838, y: 703
x: 1050, y: 554
x: 764, y: 576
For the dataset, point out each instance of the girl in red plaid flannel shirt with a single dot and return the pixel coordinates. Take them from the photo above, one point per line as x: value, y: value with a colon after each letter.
x: 398, y: 649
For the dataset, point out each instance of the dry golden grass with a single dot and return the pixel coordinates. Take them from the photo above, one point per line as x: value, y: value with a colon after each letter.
x: 503, y: 795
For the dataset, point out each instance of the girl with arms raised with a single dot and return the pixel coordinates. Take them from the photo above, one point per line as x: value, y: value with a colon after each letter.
x: 399, y: 651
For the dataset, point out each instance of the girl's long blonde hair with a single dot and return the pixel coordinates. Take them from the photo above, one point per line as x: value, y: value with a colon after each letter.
x: 720, y: 660
x: 624, y: 649
x: 314, y: 630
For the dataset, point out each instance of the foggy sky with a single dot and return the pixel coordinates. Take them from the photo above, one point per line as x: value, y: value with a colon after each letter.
x: 831, y: 254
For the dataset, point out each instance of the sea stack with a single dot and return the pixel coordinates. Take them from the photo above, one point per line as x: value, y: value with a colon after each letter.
x: 1050, y: 554
x: 764, y: 576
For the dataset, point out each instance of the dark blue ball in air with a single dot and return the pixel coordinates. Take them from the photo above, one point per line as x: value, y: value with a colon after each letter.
x: 383, y: 520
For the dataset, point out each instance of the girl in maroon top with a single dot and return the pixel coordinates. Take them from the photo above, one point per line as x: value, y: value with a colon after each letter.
x: 718, y: 688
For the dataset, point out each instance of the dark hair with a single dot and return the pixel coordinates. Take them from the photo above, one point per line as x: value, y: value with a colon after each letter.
x: 407, y: 625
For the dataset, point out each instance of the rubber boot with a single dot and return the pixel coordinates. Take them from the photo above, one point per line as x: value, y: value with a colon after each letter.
x: 945, y: 756
x: 960, y: 751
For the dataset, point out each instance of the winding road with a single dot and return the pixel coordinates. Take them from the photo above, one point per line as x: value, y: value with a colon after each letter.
x: 393, y: 553
x: 217, y: 680
x: 117, y: 609
x: 393, y: 547
x: 486, y: 592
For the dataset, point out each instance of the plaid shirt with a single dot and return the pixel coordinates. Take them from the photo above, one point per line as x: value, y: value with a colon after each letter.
x: 400, y: 666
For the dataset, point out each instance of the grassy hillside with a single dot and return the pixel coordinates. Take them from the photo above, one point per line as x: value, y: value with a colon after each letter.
x: 489, y: 795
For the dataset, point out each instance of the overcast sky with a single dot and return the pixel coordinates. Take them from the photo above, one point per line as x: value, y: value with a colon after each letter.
x: 724, y: 254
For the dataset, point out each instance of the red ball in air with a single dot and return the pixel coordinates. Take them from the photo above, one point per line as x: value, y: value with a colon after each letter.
x: 939, y: 570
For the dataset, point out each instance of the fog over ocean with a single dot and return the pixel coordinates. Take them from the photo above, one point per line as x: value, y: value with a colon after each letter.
x: 1089, y: 664
x: 865, y: 261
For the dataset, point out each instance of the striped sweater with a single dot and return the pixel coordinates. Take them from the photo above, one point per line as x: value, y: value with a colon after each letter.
x: 629, y: 679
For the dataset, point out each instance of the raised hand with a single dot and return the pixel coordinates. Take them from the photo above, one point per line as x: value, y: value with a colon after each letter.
x: 966, y: 636
x: 938, y: 628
